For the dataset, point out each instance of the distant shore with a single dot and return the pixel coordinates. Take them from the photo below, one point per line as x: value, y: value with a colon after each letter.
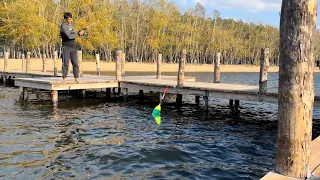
x: 36, y: 65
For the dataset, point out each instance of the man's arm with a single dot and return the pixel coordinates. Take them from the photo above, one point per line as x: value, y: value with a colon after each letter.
x: 66, y: 32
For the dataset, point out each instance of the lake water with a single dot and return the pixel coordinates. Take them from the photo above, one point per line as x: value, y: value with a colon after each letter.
x: 96, y: 139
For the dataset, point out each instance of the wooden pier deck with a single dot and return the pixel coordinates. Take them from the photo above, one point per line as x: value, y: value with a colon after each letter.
x: 314, y: 166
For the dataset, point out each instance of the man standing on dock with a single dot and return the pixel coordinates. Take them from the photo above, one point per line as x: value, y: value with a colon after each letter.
x: 69, y: 48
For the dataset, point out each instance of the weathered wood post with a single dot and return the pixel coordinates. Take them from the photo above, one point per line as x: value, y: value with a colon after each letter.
x: 79, y: 54
x: 264, y: 65
x: 23, y: 59
x: 198, y: 100
x: 23, y: 93
x: 123, y: 61
x: 28, y: 62
x: 182, y: 64
x: 54, y: 97
x: 141, y: 96
x: 44, y: 63
x: 159, y: 62
x: 118, y: 65
x: 98, y: 63
x: 206, y: 101
x: 217, y: 68
x: 108, y: 93
x: 296, y: 87
x: 55, y: 63
x: 6, y: 59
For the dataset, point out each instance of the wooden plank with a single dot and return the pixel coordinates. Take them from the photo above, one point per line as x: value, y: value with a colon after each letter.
x: 75, y: 86
x: 315, y: 157
x: 275, y: 176
x: 34, y: 85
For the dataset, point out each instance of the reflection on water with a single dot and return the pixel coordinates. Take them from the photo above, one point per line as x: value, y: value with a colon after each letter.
x: 95, y: 139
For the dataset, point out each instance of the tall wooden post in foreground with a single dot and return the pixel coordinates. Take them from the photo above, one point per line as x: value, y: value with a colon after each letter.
x: 296, y: 87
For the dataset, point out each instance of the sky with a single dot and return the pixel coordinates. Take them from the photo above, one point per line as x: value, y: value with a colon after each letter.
x: 257, y: 11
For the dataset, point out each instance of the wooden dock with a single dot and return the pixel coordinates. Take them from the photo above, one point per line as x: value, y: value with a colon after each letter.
x: 314, y: 166
x: 46, y: 81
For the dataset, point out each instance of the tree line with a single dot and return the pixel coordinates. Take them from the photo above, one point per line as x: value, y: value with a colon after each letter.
x: 140, y: 28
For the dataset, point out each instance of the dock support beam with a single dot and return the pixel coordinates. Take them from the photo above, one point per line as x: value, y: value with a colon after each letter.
x: 141, y: 96
x: 206, y: 102
x: 296, y: 88
x: 231, y: 103
x: 124, y: 94
x: 108, y: 93
x: 23, y: 93
x: 198, y: 100
x: 179, y: 100
x: 237, y: 104
x: 264, y: 65
x: 54, y: 97
x: 217, y: 68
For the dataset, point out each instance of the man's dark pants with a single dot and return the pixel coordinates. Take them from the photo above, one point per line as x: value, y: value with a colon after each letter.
x: 70, y: 53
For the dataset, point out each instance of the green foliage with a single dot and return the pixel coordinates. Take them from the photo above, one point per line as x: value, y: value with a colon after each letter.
x: 140, y: 28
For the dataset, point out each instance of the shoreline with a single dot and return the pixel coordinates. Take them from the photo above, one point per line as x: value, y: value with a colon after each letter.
x: 90, y: 66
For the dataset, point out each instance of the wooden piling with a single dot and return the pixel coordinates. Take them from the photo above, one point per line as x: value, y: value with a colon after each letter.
x: 231, y: 103
x: 54, y: 97
x: 23, y: 93
x: 44, y: 63
x: 118, y: 65
x: 217, y: 68
x: 206, y: 101
x: 124, y: 92
x: 6, y: 59
x: 23, y: 62
x: 198, y: 100
x: 141, y: 96
x: 179, y: 100
x: 123, y: 61
x: 264, y: 65
x: 182, y: 64
x: 159, y: 62
x: 28, y: 62
x: 108, y: 93
x: 237, y: 104
x: 296, y: 88
x: 79, y: 54
x: 55, y: 63
x: 98, y: 63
